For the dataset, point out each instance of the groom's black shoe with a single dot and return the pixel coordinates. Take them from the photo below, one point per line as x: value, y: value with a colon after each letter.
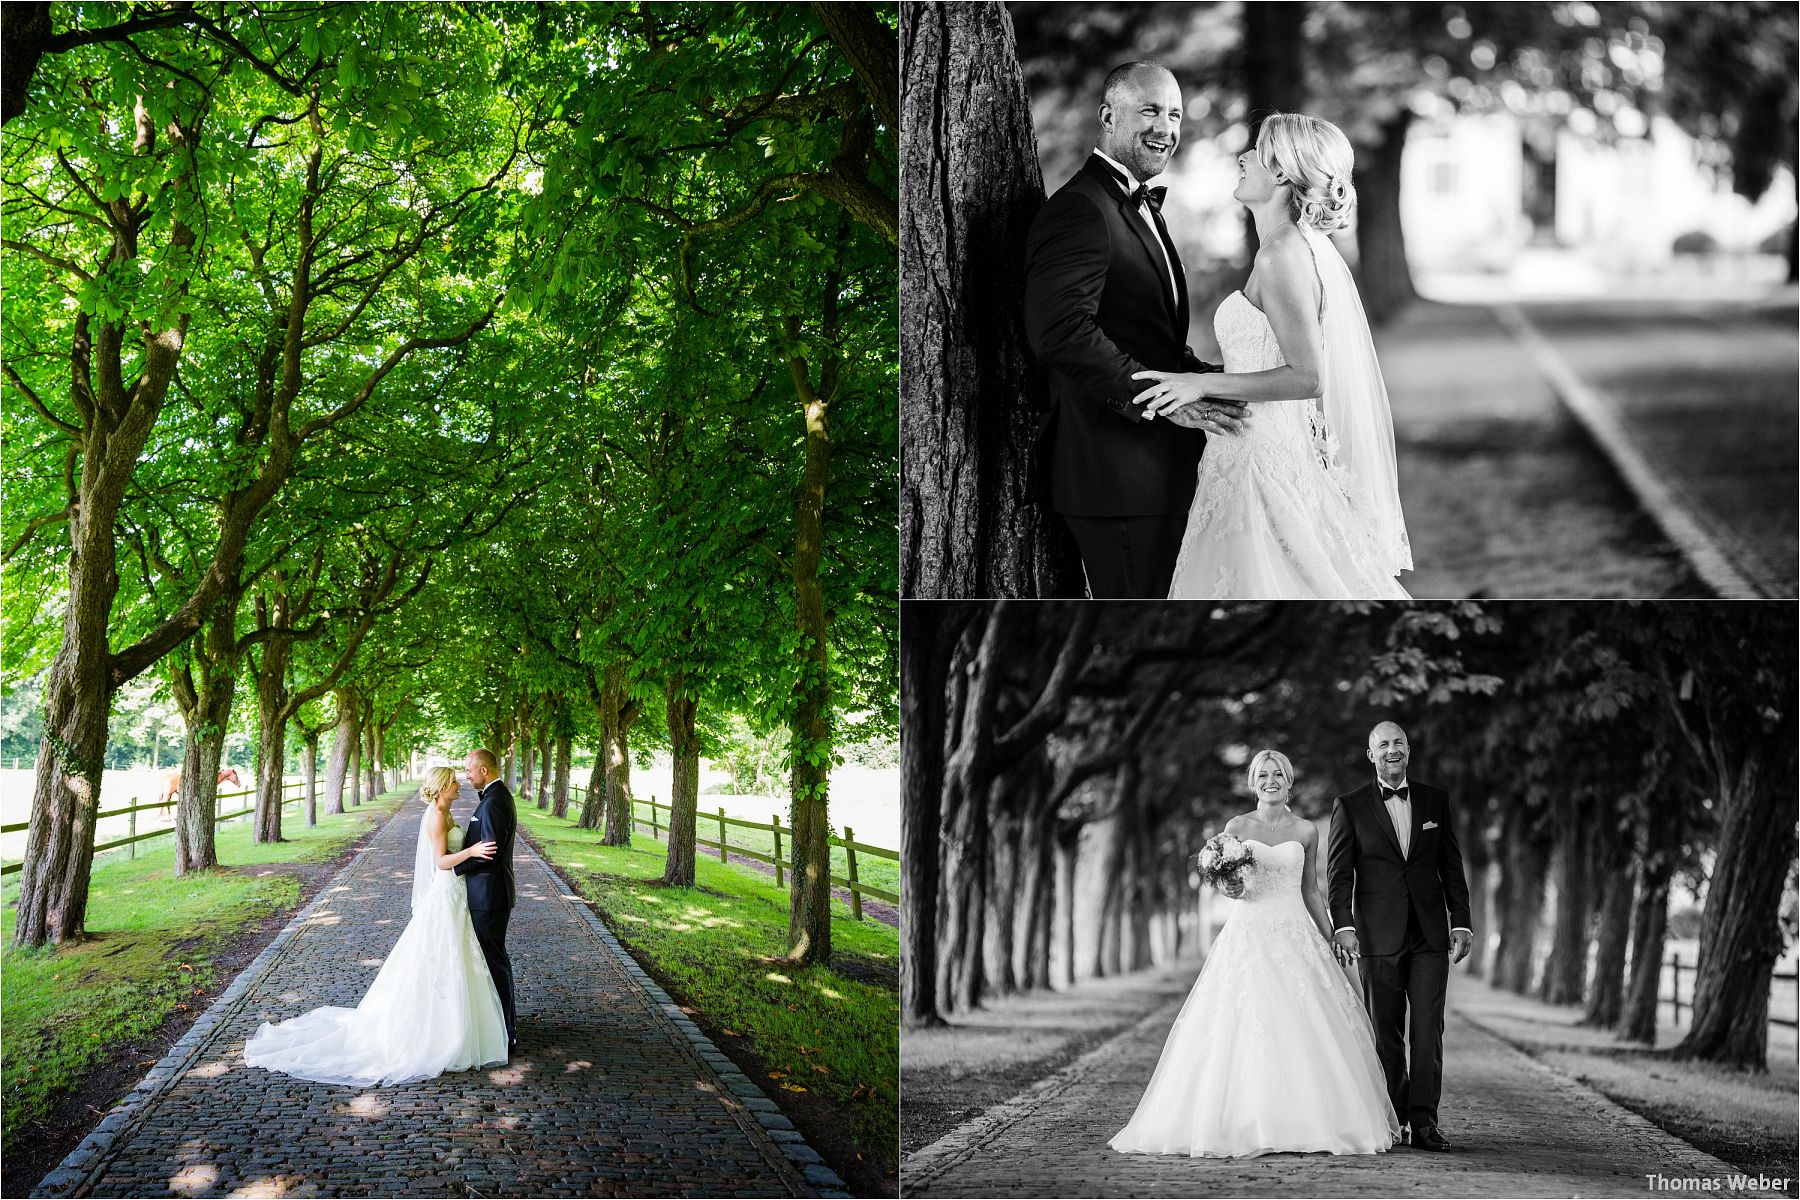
x: 1427, y: 1137
x: 1404, y: 1134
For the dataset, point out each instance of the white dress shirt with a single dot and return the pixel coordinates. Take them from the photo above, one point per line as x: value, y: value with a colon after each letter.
x: 1143, y: 211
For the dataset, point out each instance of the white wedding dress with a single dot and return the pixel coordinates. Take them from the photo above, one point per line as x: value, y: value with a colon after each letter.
x: 1273, y: 1050
x: 432, y: 1008
x: 1273, y: 516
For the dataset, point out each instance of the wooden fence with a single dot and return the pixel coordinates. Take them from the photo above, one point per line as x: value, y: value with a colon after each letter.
x: 848, y: 881
x: 135, y: 837
x: 1676, y: 967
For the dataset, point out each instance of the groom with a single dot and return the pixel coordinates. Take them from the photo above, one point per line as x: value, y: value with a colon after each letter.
x: 490, y: 882
x: 1105, y: 297
x: 1394, y: 850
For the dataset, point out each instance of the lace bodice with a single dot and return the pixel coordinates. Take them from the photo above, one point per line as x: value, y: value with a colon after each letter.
x: 1247, y: 343
x: 1272, y: 516
x: 1272, y: 886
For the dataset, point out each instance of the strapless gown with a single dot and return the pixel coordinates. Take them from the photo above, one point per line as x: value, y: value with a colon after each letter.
x: 1273, y: 1050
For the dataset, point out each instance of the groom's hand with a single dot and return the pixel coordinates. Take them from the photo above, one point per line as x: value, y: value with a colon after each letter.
x: 1212, y: 414
x: 1347, y: 944
x: 1461, y: 941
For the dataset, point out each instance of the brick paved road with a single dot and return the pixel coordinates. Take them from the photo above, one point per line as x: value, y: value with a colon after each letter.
x: 613, y: 1092
x: 1525, y: 1131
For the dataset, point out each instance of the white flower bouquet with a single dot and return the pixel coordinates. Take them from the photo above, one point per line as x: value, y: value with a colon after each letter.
x: 1224, y: 859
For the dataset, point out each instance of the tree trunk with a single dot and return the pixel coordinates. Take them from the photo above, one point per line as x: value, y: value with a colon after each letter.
x: 1274, y: 72
x: 1649, y: 936
x: 271, y: 736
x: 309, y: 763
x: 810, y: 727
x: 343, y: 739
x: 59, y: 849
x: 1607, y: 993
x: 684, y: 787
x: 527, y: 763
x: 612, y: 768
x: 271, y: 770
x: 970, y: 398
x: 594, y: 810
x: 543, y: 758
x: 559, y: 807
x: 1565, y: 971
x: 356, y: 777
x: 204, y: 689
x: 1521, y: 902
x: 1387, y: 285
x: 1740, y: 927
x: 924, y: 655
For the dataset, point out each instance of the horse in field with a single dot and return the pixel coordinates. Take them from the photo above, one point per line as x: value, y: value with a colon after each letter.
x: 172, y: 784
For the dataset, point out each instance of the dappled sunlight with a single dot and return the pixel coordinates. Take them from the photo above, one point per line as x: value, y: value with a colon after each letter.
x: 369, y: 962
x: 323, y: 917
x: 277, y: 1185
x: 775, y: 977
x: 368, y: 1104
x: 193, y: 1179
x: 211, y: 1070
x: 575, y: 1065
x: 511, y: 1076
x: 508, y: 1122
x: 631, y: 918
x: 830, y: 993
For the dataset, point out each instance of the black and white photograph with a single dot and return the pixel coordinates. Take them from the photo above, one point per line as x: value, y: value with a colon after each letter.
x: 1279, y: 899
x: 1348, y: 301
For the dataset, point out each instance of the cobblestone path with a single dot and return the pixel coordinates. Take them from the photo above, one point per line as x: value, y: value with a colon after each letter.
x: 613, y: 1091
x: 1523, y: 1131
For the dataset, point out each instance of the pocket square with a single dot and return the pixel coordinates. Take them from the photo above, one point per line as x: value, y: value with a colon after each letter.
x: 1427, y: 825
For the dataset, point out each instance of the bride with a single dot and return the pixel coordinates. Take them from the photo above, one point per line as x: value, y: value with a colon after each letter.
x: 1272, y: 1051
x: 433, y: 1006
x: 1304, y: 503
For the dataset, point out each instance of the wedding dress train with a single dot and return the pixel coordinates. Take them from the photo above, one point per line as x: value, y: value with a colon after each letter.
x: 1272, y: 1050
x: 432, y: 1008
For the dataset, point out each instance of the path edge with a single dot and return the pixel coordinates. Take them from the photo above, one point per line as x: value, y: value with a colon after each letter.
x: 82, y: 1163
x: 1708, y: 554
x: 775, y: 1124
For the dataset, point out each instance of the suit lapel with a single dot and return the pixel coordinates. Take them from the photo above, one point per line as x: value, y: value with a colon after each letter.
x: 1418, y: 813
x: 1150, y: 241
x: 1380, y: 814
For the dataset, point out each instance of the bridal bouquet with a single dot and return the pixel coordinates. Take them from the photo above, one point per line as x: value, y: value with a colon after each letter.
x: 1224, y: 858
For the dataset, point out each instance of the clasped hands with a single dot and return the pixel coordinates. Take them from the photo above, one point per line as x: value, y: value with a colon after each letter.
x: 1181, y: 397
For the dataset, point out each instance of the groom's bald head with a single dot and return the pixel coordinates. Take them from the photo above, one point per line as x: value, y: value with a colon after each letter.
x: 1140, y: 117
x: 482, y: 767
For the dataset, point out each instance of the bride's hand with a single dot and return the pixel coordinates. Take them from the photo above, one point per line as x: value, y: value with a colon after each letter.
x: 483, y: 850
x: 1171, y: 390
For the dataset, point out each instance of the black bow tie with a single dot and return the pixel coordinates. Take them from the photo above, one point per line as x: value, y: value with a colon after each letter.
x: 1388, y: 793
x: 1153, y: 196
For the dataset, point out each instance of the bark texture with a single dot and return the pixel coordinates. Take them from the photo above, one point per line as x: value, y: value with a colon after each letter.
x: 970, y: 398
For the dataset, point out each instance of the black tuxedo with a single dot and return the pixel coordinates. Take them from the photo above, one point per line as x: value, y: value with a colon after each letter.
x: 491, y: 887
x: 1098, y: 307
x: 1403, y: 909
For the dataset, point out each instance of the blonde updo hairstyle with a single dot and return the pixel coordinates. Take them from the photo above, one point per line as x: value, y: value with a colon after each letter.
x: 439, y: 781
x: 1274, y: 756
x: 1313, y: 157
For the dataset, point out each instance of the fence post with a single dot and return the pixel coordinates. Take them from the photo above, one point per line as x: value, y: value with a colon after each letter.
x: 131, y: 850
x: 850, y: 861
x: 1675, y: 961
x: 721, y: 833
x: 654, y: 831
x: 775, y: 829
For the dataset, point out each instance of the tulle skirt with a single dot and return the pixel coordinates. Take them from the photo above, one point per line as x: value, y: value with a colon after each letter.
x: 432, y: 1008
x: 1272, y: 1052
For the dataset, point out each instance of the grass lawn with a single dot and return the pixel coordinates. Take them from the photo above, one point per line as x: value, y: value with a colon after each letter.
x: 882, y: 873
x: 153, y: 940
x: 827, y: 1031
